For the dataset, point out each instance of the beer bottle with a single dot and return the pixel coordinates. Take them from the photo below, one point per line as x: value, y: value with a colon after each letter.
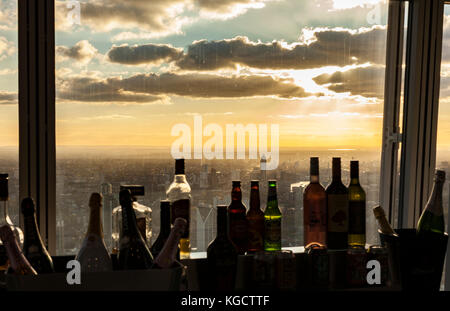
x: 272, y: 220
x: 18, y: 263
x: 237, y: 217
x: 356, y: 208
x: 33, y: 246
x: 255, y: 220
x: 168, y: 255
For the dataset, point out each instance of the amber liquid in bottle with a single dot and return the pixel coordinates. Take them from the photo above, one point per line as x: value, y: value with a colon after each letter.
x: 315, y: 208
x: 237, y: 218
x: 337, y: 210
x: 255, y: 219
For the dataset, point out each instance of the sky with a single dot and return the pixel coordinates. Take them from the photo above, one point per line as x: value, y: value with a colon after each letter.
x: 131, y: 70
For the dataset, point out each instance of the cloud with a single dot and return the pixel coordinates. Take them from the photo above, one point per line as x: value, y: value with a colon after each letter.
x: 7, y: 48
x: 108, y: 117
x: 143, y: 54
x: 151, y: 88
x: 82, y: 52
x: 364, y: 81
x: 8, y: 98
x: 225, y: 9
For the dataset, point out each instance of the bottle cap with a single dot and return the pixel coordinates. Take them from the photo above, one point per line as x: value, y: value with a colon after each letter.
x: 254, y: 183
x: 236, y: 183
x: 164, y: 204
x: 136, y: 190
x: 272, y: 183
x: 95, y: 200
x: 28, y: 207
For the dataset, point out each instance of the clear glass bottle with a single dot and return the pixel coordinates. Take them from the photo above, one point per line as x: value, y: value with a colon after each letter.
x: 6, y: 220
x: 143, y: 217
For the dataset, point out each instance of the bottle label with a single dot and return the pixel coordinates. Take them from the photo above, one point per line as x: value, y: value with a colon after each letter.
x: 337, y: 212
x: 357, y: 217
x: 273, y: 230
x: 181, y: 208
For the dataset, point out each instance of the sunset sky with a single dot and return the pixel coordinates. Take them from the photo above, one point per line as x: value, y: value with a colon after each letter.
x: 133, y: 69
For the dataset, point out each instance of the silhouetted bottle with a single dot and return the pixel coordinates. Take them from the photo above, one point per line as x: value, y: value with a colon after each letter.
x: 179, y: 194
x: 33, y: 246
x: 255, y: 219
x: 164, y: 230
x: 272, y: 220
x: 315, y: 208
x: 432, y: 218
x: 18, y: 263
x: 337, y: 210
x: 93, y: 255
x: 383, y: 223
x: 222, y: 255
x: 168, y: 256
x: 237, y: 218
x: 356, y: 208
x: 133, y: 251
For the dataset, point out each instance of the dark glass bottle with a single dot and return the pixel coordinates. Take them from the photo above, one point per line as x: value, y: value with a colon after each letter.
x: 337, y: 210
x: 315, y: 208
x: 222, y: 255
x: 167, y: 258
x: 18, y: 263
x: 133, y: 251
x: 356, y: 208
x: 255, y: 219
x: 164, y: 230
x: 33, y: 246
x: 238, y: 221
x: 272, y: 220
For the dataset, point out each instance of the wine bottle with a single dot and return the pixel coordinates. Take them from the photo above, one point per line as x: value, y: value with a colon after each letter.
x: 164, y: 230
x: 179, y: 195
x: 5, y: 220
x: 314, y: 208
x: 168, y: 255
x: 337, y: 210
x: 17, y: 261
x: 356, y: 208
x: 93, y: 255
x: 222, y: 255
x: 383, y: 223
x: 272, y: 220
x: 133, y: 251
x: 237, y: 218
x: 33, y: 246
x: 255, y: 220
x: 432, y: 218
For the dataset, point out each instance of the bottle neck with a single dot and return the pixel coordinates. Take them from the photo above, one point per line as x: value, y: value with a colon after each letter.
x: 314, y: 179
x: 129, y: 225
x: 222, y: 223
x: 255, y: 203
x: 236, y: 194
x: 354, y: 173
x: 336, y: 177
x: 31, y: 233
x: 95, y: 222
x: 434, y: 205
x: 272, y: 196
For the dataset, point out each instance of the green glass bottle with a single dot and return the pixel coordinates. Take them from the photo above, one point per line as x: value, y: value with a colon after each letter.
x: 356, y: 208
x: 272, y: 220
x: 432, y: 218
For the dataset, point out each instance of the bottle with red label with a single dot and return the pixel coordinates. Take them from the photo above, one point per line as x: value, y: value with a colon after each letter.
x: 237, y: 218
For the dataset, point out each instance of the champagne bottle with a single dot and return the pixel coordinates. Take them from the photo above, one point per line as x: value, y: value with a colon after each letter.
x: 255, y: 220
x: 383, y: 223
x: 356, y: 208
x: 93, y: 255
x: 168, y: 255
x: 237, y: 218
x: 337, y: 210
x: 272, y: 220
x: 133, y: 251
x: 432, y: 218
x: 179, y: 194
x: 164, y: 230
x: 5, y: 220
x: 315, y: 208
x: 17, y: 261
x: 222, y: 255
x: 33, y: 246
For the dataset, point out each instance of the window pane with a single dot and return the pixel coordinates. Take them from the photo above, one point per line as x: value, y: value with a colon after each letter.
x: 9, y: 138
x: 128, y: 76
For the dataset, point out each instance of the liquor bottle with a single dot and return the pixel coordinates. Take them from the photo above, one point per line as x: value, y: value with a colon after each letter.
x: 255, y: 220
x: 33, y: 246
x: 93, y: 255
x: 179, y: 195
x: 432, y: 218
x: 5, y: 220
x: 272, y: 220
x: 337, y: 210
x: 168, y: 255
x: 383, y: 223
x: 222, y: 255
x: 356, y: 208
x: 314, y: 208
x: 133, y: 251
x: 18, y: 263
x: 164, y: 231
x: 237, y: 219
x: 143, y: 217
